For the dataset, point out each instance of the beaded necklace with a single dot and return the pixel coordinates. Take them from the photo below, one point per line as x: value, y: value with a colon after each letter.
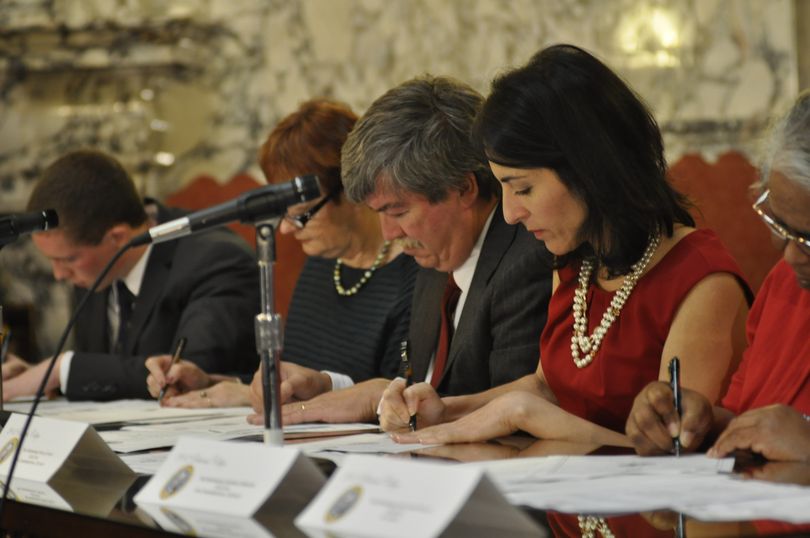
x: 590, y: 525
x: 366, y: 276
x: 589, y: 345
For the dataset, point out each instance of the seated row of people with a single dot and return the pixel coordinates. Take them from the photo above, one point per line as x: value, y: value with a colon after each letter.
x: 543, y: 225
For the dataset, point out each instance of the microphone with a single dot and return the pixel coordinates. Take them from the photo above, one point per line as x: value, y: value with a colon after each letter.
x: 13, y: 226
x: 257, y: 204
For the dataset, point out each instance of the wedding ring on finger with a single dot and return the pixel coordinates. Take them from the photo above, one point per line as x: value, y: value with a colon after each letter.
x: 303, y: 408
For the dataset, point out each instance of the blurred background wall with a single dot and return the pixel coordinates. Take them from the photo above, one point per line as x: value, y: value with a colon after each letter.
x: 179, y: 89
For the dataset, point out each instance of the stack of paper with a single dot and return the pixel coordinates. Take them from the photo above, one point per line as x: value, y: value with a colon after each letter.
x: 698, y: 486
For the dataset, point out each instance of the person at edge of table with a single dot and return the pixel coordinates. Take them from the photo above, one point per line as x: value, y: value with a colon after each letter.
x: 767, y: 407
x: 582, y: 166
x: 411, y: 159
x: 351, y: 304
x: 202, y: 287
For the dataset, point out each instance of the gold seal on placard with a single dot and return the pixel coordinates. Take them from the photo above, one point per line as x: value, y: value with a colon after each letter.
x: 182, y: 525
x: 8, y: 449
x: 343, y: 504
x: 177, y: 481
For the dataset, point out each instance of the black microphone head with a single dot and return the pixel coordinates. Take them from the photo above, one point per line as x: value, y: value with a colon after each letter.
x: 273, y: 200
x: 13, y: 226
x: 50, y: 219
x: 308, y: 187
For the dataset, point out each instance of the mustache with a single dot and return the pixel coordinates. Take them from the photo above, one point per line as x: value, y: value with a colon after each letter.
x: 407, y: 242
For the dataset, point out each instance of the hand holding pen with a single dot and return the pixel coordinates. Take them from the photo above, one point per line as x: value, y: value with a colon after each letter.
x: 181, y: 344
x: 675, y: 385
x: 407, y: 371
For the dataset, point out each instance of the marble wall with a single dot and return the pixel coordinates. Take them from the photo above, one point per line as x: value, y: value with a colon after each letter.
x: 194, y: 87
x: 187, y: 87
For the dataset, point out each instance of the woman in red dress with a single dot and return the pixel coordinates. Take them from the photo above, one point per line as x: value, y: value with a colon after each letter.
x: 582, y: 167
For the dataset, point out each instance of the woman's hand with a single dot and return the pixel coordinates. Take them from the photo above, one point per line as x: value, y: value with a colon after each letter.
x: 653, y: 421
x: 778, y: 432
x: 496, y: 419
x: 298, y: 383
x: 511, y: 412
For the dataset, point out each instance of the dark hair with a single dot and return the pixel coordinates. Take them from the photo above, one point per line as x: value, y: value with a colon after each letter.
x: 309, y: 141
x: 417, y: 137
x: 91, y: 193
x: 567, y: 111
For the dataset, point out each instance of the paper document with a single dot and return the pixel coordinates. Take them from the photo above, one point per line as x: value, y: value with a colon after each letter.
x: 140, y: 437
x: 121, y: 411
x: 695, y: 485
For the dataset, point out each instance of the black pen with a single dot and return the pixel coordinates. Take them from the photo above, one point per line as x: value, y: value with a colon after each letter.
x: 675, y: 385
x: 6, y: 336
x: 407, y: 371
x: 175, y: 357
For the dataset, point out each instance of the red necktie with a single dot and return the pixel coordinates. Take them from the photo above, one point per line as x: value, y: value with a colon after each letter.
x: 449, y: 302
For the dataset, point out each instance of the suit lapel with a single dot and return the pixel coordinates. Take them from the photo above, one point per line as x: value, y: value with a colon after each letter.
x: 425, y: 319
x: 97, y: 331
x: 154, y: 281
x: 496, y: 243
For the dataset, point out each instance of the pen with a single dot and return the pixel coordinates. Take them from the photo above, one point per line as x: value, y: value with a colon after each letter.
x: 5, y: 334
x: 176, y: 357
x: 675, y: 385
x: 408, y: 373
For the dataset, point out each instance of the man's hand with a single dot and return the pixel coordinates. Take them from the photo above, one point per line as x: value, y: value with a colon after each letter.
x: 399, y: 403
x: 353, y: 404
x: 222, y: 394
x: 778, y: 432
x: 653, y: 421
x: 14, y: 366
x: 182, y: 377
x: 27, y: 382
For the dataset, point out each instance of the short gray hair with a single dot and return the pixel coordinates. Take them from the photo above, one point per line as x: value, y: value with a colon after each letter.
x: 788, y: 147
x: 417, y: 138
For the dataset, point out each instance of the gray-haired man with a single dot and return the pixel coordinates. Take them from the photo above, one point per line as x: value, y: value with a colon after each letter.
x: 411, y: 158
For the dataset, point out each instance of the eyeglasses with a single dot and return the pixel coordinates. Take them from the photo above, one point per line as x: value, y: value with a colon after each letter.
x: 299, y: 221
x: 780, y: 230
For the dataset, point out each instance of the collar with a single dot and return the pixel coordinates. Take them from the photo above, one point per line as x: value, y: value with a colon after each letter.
x: 134, y: 279
x: 464, y: 274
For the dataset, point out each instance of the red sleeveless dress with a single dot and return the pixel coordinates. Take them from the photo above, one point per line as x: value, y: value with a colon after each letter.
x: 630, y: 354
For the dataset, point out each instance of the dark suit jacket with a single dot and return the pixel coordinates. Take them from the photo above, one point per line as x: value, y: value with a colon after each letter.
x: 498, y: 334
x: 204, y: 287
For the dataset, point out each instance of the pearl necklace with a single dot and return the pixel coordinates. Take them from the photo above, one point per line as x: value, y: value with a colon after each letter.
x: 589, y: 345
x: 590, y: 525
x: 366, y: 276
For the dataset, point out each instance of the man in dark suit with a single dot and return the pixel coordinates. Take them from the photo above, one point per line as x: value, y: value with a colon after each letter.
x: 203, y: 287
x: 411, y: 158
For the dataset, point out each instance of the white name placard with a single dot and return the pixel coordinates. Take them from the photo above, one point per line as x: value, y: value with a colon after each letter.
x: 232, y: 478
x: 385, y: 497
x: 57, y: 450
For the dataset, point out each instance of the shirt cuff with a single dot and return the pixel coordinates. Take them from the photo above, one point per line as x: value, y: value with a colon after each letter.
x: 64, y: 370
x: 339, y: 381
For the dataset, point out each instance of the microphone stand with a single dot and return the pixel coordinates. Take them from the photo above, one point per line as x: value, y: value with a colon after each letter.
x: 268, y: 333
